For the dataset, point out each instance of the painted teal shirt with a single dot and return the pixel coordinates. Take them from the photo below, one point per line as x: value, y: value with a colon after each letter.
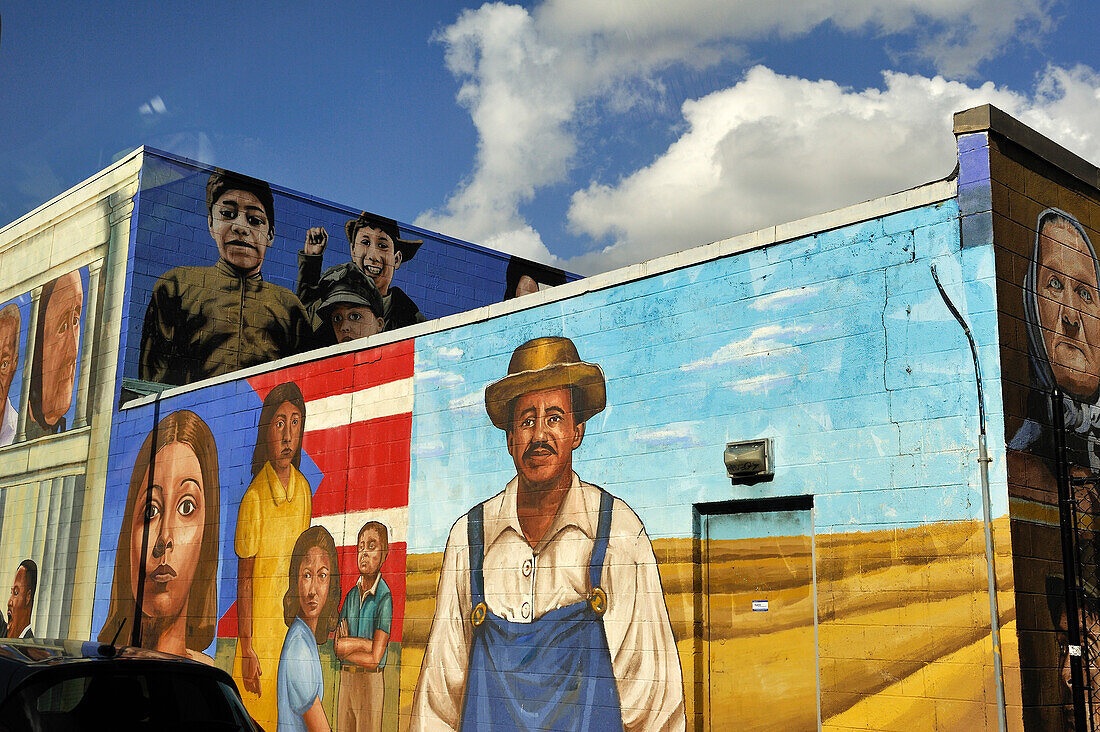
x: 375, y: 612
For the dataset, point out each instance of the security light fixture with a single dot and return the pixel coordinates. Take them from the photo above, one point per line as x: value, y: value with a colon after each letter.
x: 750, y: 461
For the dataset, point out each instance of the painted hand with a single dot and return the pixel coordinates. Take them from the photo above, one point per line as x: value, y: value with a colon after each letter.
x: 250, y: 670
x: 316, y: 240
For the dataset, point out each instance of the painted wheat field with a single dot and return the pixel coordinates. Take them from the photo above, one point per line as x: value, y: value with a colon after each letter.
x: 902, y: 633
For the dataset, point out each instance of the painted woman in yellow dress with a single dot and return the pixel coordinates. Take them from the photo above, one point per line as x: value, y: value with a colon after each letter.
x: 275, y: 509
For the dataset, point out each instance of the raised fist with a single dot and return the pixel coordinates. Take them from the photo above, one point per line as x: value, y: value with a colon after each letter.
x: 316, y: 240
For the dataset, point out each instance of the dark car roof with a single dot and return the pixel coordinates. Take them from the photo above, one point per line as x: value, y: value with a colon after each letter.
x: 20, y: 659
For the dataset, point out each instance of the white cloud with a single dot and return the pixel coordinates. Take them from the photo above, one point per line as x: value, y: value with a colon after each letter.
x: 153, y: 106
x: 952, y: 35
x: 681, y: 435
x: 532, y: 79
x: 438, y: 378
x: 783, y: 298
x: 759, y: 384
x: 775, y: 148
x: 429, y: 448
x: 472, y: 402
x: 449, y: 353
x: 762, y: 340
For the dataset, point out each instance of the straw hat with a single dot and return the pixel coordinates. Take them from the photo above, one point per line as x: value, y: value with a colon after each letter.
x: 546, y: 363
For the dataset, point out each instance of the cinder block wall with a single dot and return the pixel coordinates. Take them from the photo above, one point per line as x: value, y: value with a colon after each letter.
x: 836, y: 344
x: 70, y: 252
x: 1022, y: 188
x: 445, y: 276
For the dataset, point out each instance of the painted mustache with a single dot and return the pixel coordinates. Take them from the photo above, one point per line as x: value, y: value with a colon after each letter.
x: 539, y: 445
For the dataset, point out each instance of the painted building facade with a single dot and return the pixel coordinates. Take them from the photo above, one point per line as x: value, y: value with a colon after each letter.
x: 361, y: 532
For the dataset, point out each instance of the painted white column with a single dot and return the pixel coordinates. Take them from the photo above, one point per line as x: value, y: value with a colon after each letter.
x: 91, y: 323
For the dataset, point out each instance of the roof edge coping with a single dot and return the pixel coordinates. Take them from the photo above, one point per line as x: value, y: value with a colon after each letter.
x: 988, y: 118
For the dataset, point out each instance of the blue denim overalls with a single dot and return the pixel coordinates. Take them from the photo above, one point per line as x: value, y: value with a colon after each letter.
x: 553, y: 673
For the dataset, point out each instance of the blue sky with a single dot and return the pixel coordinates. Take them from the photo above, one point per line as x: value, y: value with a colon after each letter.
x: 584, y: 134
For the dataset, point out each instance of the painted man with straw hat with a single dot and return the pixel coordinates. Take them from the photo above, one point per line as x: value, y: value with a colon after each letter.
x: 550, y: 612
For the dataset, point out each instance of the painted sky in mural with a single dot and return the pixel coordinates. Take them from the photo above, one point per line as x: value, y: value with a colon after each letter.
x: 780, y: 348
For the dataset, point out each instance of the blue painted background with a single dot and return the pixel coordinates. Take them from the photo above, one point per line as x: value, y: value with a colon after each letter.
x: 838, y: 345
x: 170, y: 229
x: 232, y: 411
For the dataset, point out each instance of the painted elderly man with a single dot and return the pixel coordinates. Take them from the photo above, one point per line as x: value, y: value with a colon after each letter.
x: 378, y: 251
x: 56, y: 348
x: 550, y: 612
x: 206, y: 321
x: 21, y: 601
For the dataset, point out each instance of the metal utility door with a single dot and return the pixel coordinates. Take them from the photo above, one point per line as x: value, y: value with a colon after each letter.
x: 759, y: 637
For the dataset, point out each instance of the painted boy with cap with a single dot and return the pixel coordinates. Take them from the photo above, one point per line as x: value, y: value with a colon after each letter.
x: 550, y: 612
x: 349, y: 306
x: 376, y: 250
x: 206, y: 321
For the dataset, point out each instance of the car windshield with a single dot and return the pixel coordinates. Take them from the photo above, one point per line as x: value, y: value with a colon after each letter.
x: 124, y: 699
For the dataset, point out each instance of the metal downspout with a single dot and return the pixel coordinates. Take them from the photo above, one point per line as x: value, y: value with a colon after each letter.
x: 987, y: 514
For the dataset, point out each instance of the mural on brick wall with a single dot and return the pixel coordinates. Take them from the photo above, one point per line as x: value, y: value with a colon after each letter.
x: 1061, y: 308
x: 166, y: 557
x: 525, y: 277
x: 1062, y: 317
x: 838, y: 347
x: 13, y: 338
x: 587, y: 580
x: 377, y: 251
x: 24, y: 586
x: 553, y: 502
x: 44, y: 387
x: 229, y: 273
x: 208, y: 320
x: 56, y: 358
x: 264, y: 532
x: 274, y: 512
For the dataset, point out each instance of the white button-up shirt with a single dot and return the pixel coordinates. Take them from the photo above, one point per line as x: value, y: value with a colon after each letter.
x: 522, y: 584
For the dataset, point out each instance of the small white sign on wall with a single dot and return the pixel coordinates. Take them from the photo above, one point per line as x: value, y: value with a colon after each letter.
x: 760, y: 606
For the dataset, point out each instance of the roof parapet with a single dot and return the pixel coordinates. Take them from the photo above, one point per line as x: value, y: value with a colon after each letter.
x: 988, y: 118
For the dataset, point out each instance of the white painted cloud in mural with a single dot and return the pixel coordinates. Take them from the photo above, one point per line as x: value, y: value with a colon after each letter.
x: 449, y: 353
x: 439, y: 378
x: 792, y: 296
x: 428, y: 448
x: 762, y: 341
x: 759, y: 384
x: 471, y: 402
x: 680, y: 435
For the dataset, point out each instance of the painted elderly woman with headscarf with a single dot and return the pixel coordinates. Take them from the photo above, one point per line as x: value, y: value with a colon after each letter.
x: 1062, y: 314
